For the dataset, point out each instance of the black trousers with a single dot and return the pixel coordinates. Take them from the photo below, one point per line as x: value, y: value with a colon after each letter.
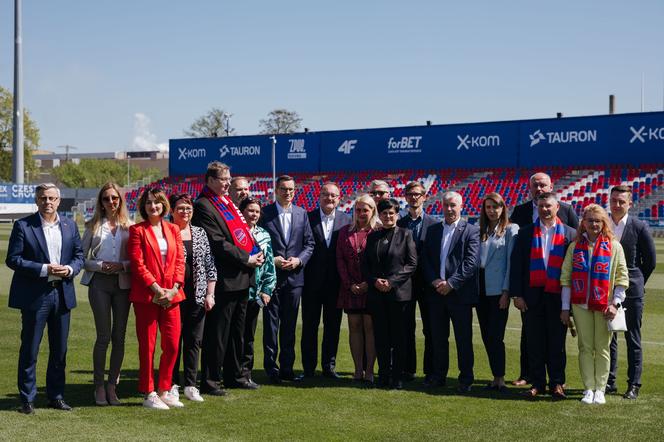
x: 546, y: 342
x: 441, y: 314
x: 411, y: 325
x: 279, y: 324
x: 523, y: 347
x: 493, y: 321
x: 389, y: 324
x: 192, y: 316
x: 222, y: 339
x: 312, y: 305
x: 250, y: 322
x: 633, y: 317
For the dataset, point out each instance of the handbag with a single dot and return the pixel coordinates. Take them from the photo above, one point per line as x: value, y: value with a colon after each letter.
x: 618, y: 323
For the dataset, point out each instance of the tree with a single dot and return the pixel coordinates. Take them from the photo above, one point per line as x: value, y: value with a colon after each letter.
x: 214, y: 124
x: 281, y: 121
x: 95, y: 172
x: 30, y: 141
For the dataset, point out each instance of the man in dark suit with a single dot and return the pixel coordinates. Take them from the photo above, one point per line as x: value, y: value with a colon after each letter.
x: 536, y: 262
x: 321, y: 285
x: 235, y: 259
x: 525, y: 214
x: 450, y: 268
x: 641, y: 257
x: 45, y: 253
x: 418, y: 222
x: 292, y: 245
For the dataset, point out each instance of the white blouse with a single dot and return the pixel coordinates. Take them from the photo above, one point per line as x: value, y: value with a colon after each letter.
x: 109, y: 247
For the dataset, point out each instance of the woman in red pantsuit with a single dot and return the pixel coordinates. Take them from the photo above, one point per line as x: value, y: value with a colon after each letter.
x: 157, y: 275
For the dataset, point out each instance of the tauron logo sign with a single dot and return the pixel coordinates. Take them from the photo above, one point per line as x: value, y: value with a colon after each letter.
x: 644, y: 134
x: 186, y: 153
x: 563, y: 137
x: 467, y: 141
x: 404, y: 145
x: 297, y: 150
x: 347, y: 146
x: 239, y: 151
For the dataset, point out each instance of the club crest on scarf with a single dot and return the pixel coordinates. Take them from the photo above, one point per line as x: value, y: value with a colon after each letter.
x: 599, y: 270
x: 235, y: 222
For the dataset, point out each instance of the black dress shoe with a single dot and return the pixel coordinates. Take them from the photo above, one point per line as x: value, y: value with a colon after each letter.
x: 275, y: 379
x: 611, y: 389
x: 432, y: 382
x: 287, y: 376
x: 27, y: 408
x: 463, y: 388
x: 249, y: 385
x: 396, y: 385
x: 408, y: 377
x: 632, y: 392
x: 331, y: 374
x: 213, y: 392
x: 59, y: 404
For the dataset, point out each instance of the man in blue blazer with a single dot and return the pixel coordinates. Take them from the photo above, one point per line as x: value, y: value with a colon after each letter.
x: 641, y: 258
x: 450, y: 267
x: 45, y: 253
x: 292, y: 245
x: 321, y: 285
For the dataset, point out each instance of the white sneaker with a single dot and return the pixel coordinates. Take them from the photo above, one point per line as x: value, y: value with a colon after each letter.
x: 153, y: 401
x: 175, y: 391
x: 588, y: 397
x: 599, y: 398
x: 193, y: 394
x: 171, y: 400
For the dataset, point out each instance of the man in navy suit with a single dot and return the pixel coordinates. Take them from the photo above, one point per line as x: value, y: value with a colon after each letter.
x: 641, y: 257
x: 418, y: 222
x: 450, y: 268
x: 45, y: 253
x: 292, y: 245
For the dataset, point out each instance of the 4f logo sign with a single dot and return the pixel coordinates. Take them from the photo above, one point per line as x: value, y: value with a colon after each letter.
x: 347, y: 146
x: 644, y: 134
x: 536, y: 138
x: 184, y: 153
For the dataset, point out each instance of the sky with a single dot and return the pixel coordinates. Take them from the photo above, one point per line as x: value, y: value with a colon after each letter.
x: 126, y: 75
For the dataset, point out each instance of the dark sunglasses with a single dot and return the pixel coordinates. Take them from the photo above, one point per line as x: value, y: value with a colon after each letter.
x: 109, y: 199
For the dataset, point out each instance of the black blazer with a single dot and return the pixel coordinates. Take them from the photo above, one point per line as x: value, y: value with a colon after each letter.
x: 399, y: 266
x: 231, y: 261
x: 520, y: 265
x: 300, y: 243
x: 462, y: 264
x: 321, y: 273
x: 640, y: 255
x: 427, y: 222
x: 523, y: 215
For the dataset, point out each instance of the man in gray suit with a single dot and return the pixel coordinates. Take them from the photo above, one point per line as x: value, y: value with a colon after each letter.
x: 641, y: 256
x: 292, y: 245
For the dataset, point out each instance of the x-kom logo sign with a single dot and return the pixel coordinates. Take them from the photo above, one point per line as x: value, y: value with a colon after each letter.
x: 468, y: 141
x: 644, y: 134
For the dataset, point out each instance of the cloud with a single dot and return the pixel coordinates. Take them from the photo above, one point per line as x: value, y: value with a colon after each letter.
x: 144, y: 139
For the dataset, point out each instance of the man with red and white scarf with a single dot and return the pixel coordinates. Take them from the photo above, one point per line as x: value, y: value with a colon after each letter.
x: 235, y: 256
x: 536, y: 264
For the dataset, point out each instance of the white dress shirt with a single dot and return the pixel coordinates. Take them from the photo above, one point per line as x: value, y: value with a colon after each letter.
x: 53, y: 235
x: 286, y: 220
x: 448, y: 232
x: 484, y: 247
x: 547, y: 241
x: 619, y: 228
x: 327, y: 222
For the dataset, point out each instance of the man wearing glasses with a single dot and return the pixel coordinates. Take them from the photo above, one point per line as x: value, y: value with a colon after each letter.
x: 292, y: 245
x: 379, y: 190
x: 45, y: 253
x: 418, y: 222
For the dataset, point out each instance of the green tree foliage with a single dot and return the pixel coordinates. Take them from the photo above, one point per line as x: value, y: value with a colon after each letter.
x: 30, y: 133
x: 214, y: 124
x: 94, y: 173
x: 281, y: 121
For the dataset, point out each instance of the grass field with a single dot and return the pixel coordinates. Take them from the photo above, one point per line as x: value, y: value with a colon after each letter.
x: 333, y: 410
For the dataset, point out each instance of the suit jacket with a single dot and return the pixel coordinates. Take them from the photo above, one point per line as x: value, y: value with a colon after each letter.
x: 321, y: 273
x: 427, y: 221
x: 91, y: 244
x: 523, y: 215
x: 520, y: 265
x: 300, y: 243
x: 27, y: 252
x: 232, y: 270
x: 640, y: 254
x: 146, y: 263
x: 397, y: 268
x: 497, y: 268
x: 462, y: 263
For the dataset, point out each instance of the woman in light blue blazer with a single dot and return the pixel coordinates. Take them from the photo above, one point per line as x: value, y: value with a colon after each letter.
x: 497, y: 240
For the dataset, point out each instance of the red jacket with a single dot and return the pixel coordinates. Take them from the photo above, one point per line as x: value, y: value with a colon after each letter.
x: 146, y: 266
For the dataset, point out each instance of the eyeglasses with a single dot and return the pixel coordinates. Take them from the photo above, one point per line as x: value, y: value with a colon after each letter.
x: 184, y: 209
x: 379, y: 192
x: 50, y: 199
x: 222, y: 179
x: 109, y: 199
x: 414, y: 195
x: 287, y: 189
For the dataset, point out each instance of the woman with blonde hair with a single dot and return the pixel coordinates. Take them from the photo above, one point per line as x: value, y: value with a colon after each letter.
x: 353, y: 290
x: 497, y: 237
x: 107, y: 277
x: 594, y: 279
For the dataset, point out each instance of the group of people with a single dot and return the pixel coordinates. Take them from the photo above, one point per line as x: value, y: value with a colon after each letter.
x: 202, y: 279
